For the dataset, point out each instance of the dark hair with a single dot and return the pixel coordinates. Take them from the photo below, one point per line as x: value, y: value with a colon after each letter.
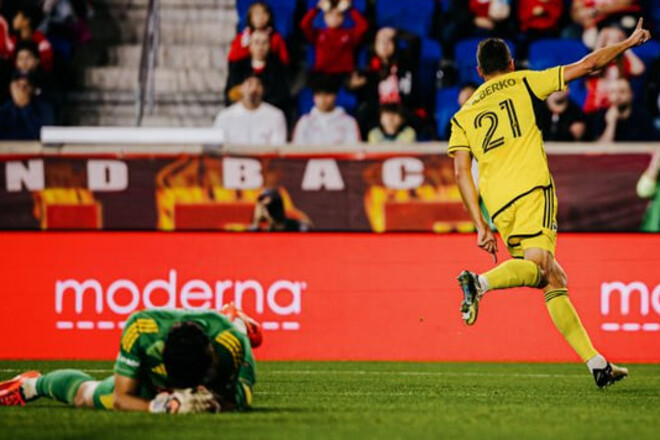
x: 252, y: 75
x: 324, y: 84
x: 28, y: 45
x: 392, y: 108
x: 31, y: 13
x: 29, y: 76
x: 493, y: 56
x: 269, y: 10
x: 275, y: 206
x: 187, y: 355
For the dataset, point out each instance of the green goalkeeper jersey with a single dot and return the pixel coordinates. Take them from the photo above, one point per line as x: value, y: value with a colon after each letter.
x: 141, y: 352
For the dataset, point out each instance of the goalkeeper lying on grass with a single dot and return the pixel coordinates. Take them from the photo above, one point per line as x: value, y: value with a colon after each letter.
x: 169, y: 361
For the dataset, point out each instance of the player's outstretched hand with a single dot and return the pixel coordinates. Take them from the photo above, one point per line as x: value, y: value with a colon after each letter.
x: 639, y: 35
x: 486, y: 240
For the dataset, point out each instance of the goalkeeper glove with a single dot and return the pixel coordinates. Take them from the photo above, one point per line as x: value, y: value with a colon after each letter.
x: 185, y: 401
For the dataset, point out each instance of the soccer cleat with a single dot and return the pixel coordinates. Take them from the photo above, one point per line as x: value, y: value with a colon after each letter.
x: 469, y: 283
x: 605, y: 377
x: 252, y: 327
x: 10, y: 390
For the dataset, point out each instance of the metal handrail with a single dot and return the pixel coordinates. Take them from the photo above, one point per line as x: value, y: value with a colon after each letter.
x: 148, y: 62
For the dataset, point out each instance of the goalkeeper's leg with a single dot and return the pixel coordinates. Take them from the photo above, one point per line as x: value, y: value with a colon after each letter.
x: 72, y: 387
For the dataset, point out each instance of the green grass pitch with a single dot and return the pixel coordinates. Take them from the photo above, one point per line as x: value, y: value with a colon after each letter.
x: 358, y: 400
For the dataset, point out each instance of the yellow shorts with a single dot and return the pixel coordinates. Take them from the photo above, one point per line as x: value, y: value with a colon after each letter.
x: 530, y: 222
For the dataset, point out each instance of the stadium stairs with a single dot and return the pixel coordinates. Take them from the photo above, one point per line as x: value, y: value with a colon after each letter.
x: 191, y: 70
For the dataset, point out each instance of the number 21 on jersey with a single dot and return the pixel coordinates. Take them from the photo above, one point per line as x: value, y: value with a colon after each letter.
x: 489, y: 120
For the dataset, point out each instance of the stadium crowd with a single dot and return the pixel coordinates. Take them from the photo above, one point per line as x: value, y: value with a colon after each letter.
x: 37, y: 42
x: 341, y: 71
x: 387, y: 70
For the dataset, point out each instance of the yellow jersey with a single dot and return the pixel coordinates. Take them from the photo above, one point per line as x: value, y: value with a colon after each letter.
x: 498, y: 127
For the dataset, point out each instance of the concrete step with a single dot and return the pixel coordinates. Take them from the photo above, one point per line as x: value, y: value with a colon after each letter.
x: 177, y: 15
x: 164, y: 4
x: 173, y: 57
x: 201, y: 33
x: 195, y: 110
x: 166, y: 80
x: 90, y: 119
x: 89, y: 98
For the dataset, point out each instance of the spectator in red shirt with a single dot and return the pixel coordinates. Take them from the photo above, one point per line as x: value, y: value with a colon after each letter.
x: 335, y: 46
x: 540, y: 17
x: 6, y: 50
x: 267, y: 66
x: 491, y: 17
x: 6, y: 44
x: 591, y: 14
x: 259, y: 18
x: 626, y: 66
x: 391, y: 78
x: 24, y: 25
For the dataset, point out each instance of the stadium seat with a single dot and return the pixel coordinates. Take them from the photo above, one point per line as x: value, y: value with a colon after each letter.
x: 648, y: 52
x: 465, y: 54
x: 431, y: 54
x: 283, y: 10
x: 360, y: 5
x: 345, y: 99
x: 544, y: 54
x: 555, y: 52
x: 414, y: 16
x: 446, y: 104
x: 654, y: 12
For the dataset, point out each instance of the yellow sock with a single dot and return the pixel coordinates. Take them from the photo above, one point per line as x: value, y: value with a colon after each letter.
x: 514, y: 273
x: 568, y: 323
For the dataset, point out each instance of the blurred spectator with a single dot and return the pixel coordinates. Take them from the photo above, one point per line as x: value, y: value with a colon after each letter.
x: 465, y: 92
x: 6, y: 43
x: 326, y: 124
x: 393, y: 127
x: 456, y: 23
x: 540, y: 18
x: 23, y: 115
x: 24, y: 24
x: 259, y: 18
x: 561, y: 119
x: 264, y: 64
x: 652, y: 97
x: 626, y: 66
x: 622, y: 121
x: 647, y: 188
x: 27, y: 61
x: 335, y: 45
x: 252, y: 121
x: 391, y: 78
x: 591, y: 14
x: 6, y: 50
x: 492, y: 17
x: 270, y: 210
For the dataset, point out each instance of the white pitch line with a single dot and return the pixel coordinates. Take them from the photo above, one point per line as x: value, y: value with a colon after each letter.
x: 371, y: 373
x: 419, y: 373
x: 93, y: 370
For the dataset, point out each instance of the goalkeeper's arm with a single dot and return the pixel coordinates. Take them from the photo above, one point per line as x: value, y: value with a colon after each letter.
x: 125, y: 398
x: 179, y: 401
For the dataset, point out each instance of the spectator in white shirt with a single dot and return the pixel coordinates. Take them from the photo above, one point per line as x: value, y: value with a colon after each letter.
x: 252, y: 121
x: 326, y: 124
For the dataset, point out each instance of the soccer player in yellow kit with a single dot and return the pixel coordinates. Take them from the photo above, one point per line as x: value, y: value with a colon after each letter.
x: 498, y: 128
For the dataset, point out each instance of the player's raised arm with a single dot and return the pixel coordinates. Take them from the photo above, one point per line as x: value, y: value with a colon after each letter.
x: 602, y: 57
